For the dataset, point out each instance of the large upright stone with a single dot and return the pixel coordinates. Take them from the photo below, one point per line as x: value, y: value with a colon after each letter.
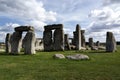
x: 66, y: 42
x: 16, y: 41
x: 98, y: 44
x: 47, y: 40
x: 53, y: 41
x: 7, y: 43
x: 83, y: 38
x: 91, y: 43
x: 58, y: 40
x: 77, y: 38
x: 110, y: 42
x: 29, y: 43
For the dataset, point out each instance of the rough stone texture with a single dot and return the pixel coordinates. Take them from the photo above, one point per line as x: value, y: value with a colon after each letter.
x: 66, y: 42
x: 39, y: 44
x: 91, y: 44
x: 83, y: 48
x: 29, y: 43
x: 77, y: 37
x: 54, y: 26
x: 78, y: 57
x: 53, y: 41
x: 98, y: 44
x: 58, y: 40
x: 7, y: 43
x: 110, y: 42
x: 16, y: 41
x: 83, y: 38
x: 58, y: 56
x: 24, y: 28
x: 47, y: 40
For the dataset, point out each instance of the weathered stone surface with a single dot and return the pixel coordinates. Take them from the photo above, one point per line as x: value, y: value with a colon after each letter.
x: 66, y: 42
x: 53, y: 41
x: 83, y: 48
x: 91, y: 44
x: 16, y: 42
x: 24, y: 28
x: 83, y: 38
x: 54, y: 26
x: 58, y: 56
x: 47, y: 40
x: 39, y: 44
x: 77, y: 37
x: 78, y: 57
x: 98, y: 44
x: 110, y: 42
x: 29, y: 43
x: 58, y: 40
x: 7, y: 43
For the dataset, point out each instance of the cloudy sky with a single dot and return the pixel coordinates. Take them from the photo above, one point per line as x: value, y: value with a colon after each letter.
x: 95, y: 16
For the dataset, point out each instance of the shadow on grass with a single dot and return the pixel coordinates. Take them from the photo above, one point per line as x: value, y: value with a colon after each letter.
x: 9, y: 54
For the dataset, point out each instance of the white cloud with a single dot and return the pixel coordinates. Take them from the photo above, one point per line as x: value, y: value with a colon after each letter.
x: 28, y: 11
x: 104, y: 19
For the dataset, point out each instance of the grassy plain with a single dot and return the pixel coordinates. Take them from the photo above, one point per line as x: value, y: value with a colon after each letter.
x: 101, y: 66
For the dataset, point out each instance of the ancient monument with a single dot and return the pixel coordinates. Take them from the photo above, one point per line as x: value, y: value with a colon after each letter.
x: 77, y: 37
x: 66, y: 42
x: 83, y: 38
x: 98, y: 44
x: 7, y: 43
x: 16, y: 40
x: 53, y: 40
x: 110, y: 42
x: 91, y: 43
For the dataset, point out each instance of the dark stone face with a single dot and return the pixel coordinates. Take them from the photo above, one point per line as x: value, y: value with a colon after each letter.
x: 53, y: 41
x: 24, y: 28
x: 7, y: 43
x: 110, y: 42
x: 77, y: 37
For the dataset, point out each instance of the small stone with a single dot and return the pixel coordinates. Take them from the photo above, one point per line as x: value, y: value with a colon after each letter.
x: 78, y: 57
x: 58, y: 56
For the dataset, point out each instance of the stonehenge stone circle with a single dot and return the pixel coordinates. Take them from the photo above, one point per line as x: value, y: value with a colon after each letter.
x: 83, y: 38
x: 53, y: 41
x: 29, y: 43
x: 67, y: 44
x: 110, y: 42
x: 14, y: 42
x: 7, y: 43
x: 77, y: 37
x: 91, y: 43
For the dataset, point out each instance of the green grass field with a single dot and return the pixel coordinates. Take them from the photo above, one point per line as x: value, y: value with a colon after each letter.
x: 101, y: 66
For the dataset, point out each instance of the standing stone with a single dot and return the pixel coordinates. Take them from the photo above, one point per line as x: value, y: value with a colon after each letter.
x: 47, y: 40
x: 77, y: 37
x: 7, y: 43
x: 53, y: 41
x: 29, y: 43
x: 58, y: 40
x: 98, y: 44
x: 16, y: 41
x: 82, y: 38
x: 110, y: 42
x: 66, y: 42
x: 91, y: 44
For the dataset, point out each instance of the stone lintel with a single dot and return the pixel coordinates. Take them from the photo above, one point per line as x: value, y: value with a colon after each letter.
x: 24, y: 28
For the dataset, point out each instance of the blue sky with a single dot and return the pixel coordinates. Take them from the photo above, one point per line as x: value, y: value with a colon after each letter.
x: 96, y: 17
